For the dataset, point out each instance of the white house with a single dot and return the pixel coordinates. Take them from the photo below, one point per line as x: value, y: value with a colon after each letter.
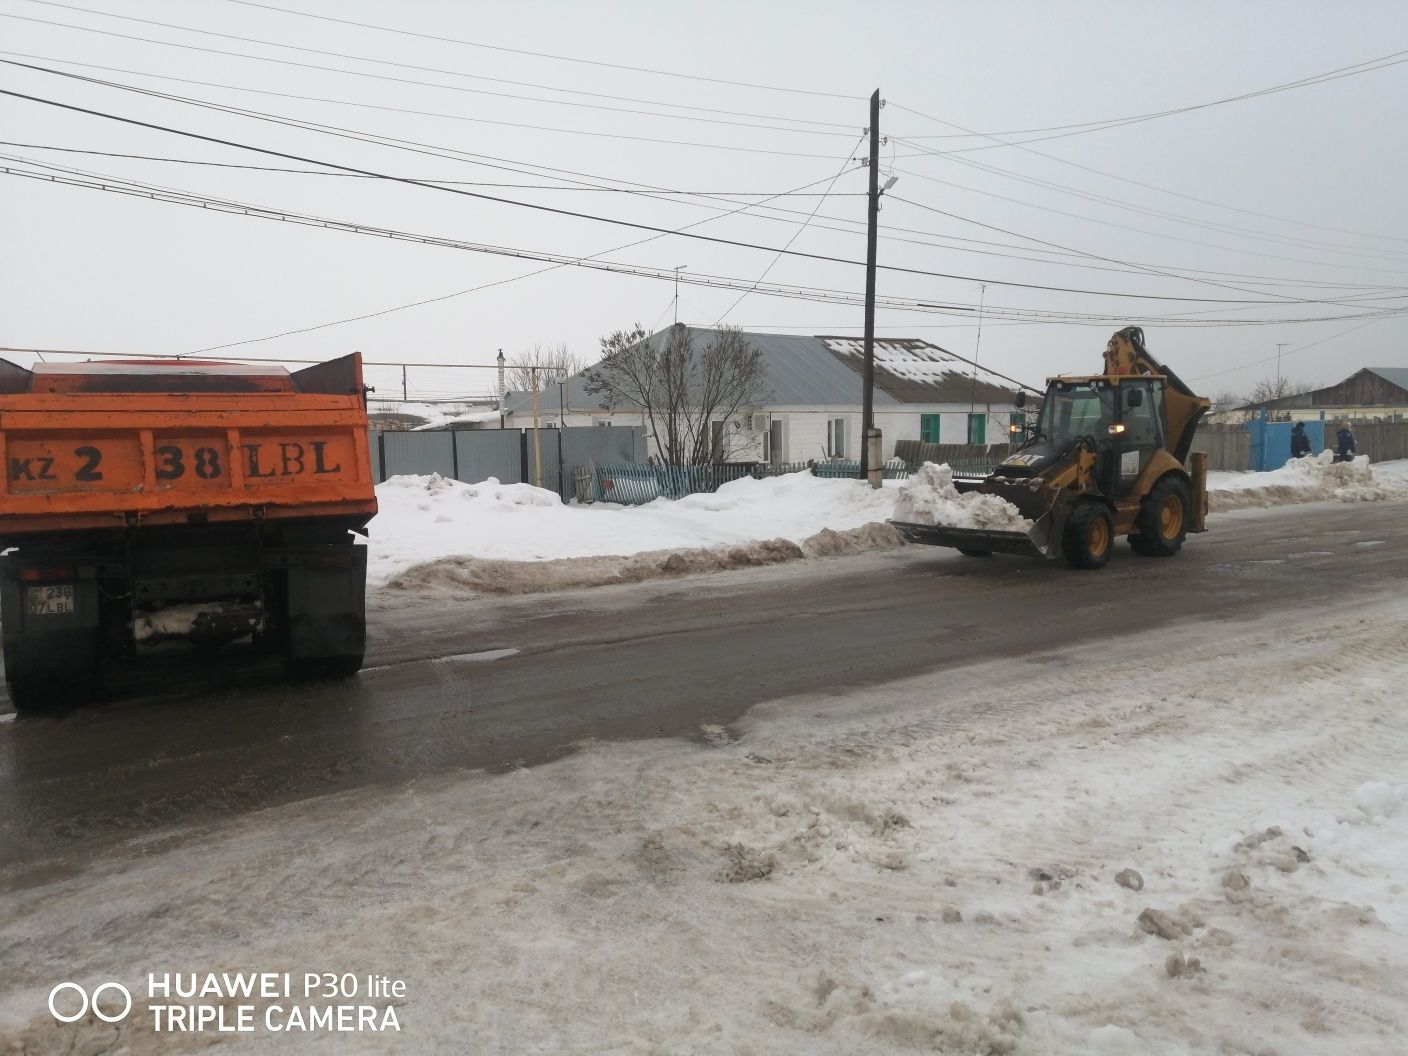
x: 812, y: 409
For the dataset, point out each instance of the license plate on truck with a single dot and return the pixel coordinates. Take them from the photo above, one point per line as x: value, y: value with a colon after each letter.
x: 48, y: 601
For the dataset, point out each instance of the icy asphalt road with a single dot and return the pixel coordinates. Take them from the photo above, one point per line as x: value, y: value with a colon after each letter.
x: 498, y: 683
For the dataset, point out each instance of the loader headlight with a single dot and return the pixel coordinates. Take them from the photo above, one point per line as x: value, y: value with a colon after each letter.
x: 1014, y: 429
x: 1116, y: 428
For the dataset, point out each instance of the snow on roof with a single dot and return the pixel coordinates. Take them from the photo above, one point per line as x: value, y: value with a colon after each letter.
x: 822, y: 371
x: 914, y: 371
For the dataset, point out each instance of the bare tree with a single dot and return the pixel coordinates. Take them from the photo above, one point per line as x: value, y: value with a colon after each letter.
x: 1227, y: 401
x: 1268, y: 389
x: 553, y: 363
x: 680, y: 387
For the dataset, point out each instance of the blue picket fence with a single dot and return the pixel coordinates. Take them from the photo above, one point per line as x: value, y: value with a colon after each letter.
x: 634, y: 485
x: 895, y: 469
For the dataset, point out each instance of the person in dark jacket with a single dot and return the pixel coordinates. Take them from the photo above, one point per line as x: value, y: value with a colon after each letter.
x: 1300, y: 443
x: 1344, y: 444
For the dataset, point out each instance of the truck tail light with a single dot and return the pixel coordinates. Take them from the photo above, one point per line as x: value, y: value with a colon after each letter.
x: 48, y: 574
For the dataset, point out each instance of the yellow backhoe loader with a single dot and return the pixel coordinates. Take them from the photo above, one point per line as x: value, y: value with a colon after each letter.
x: 1109, y: 457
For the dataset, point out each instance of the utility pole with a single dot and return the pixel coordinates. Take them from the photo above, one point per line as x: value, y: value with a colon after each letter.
x: 404, y: 397
x: 870, y: 462
x: 537, y: 444
x: 678, y: 268
x: 1280, y: 345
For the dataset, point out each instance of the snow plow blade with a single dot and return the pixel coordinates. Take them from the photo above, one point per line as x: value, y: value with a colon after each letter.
x: 975, y: 540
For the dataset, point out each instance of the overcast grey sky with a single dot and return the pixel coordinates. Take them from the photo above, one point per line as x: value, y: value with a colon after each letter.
x: 1293, y: 200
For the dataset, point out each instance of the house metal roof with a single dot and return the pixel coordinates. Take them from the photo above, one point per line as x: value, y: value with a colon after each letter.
x: 821, y: 371
x: 1393, y: 375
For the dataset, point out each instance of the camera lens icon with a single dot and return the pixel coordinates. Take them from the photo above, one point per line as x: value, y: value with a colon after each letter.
x: 86, y: 1002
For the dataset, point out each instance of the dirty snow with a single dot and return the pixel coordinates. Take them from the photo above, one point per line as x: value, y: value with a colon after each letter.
x: 1314, y: 479
x: 931, y: 498
x: 940, y: 864
x: 433, y: 519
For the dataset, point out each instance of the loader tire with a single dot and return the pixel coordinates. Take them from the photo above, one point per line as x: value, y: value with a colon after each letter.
x: 1163, y: 519
x: 1089, y: 536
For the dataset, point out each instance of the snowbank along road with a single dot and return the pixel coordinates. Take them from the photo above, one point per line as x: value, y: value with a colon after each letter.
x: 905, y: 802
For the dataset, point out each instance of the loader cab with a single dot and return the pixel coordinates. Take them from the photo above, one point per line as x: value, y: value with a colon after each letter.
x: 1119, y: 418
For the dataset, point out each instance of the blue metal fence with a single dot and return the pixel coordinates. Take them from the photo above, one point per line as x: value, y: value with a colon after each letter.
x: 1271, y: 442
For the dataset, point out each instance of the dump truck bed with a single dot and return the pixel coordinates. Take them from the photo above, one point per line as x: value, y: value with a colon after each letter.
x: 98, y: 445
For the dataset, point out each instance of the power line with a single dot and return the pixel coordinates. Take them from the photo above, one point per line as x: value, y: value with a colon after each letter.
x: 1283, y: 299
x: 1115, y: 122
x: 557, y: 210
x: 485, y: 120
x: 559, y: 58
x: 796, y: 235
x: 1302, y: 348
x: 421, y: 179
x: 273, y: 117
x: 790, y: 291
x: 1154, y: 187
x: 1291, y: 241
x: 762, y: 210
x: 358, y: 58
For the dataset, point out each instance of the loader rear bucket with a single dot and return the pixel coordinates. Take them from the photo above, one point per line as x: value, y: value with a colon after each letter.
x: 1042, y: 540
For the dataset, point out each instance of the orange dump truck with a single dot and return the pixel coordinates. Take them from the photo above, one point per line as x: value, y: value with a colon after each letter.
x: 153, y: 500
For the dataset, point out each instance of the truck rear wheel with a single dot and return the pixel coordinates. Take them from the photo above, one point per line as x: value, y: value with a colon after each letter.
x: 1163, y: 519
x: 51, y: 682
x: 1089, y: 536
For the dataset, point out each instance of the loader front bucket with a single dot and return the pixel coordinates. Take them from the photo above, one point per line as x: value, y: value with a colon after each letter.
x: 973, y: 540
x: 1042, y: 540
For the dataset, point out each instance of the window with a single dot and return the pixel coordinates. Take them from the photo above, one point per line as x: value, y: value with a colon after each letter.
x: 836, y: 437
x: 929, y: 428
x: 1073, y: 409
x: 978, y: 428
x: 1142, y: 422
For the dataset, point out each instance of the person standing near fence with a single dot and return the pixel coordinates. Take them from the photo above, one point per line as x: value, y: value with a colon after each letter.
x: 1344, y: 444
x: 1300, y: 443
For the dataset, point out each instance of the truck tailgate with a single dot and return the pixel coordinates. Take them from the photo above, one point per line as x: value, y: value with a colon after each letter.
x: 90, y: 460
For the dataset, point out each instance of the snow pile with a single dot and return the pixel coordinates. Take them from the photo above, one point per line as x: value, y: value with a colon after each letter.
x: 437, y: 415
x: 455, y: 574
x: 931, y: 498
x: 475, y: 532
x: 1313, y: 479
